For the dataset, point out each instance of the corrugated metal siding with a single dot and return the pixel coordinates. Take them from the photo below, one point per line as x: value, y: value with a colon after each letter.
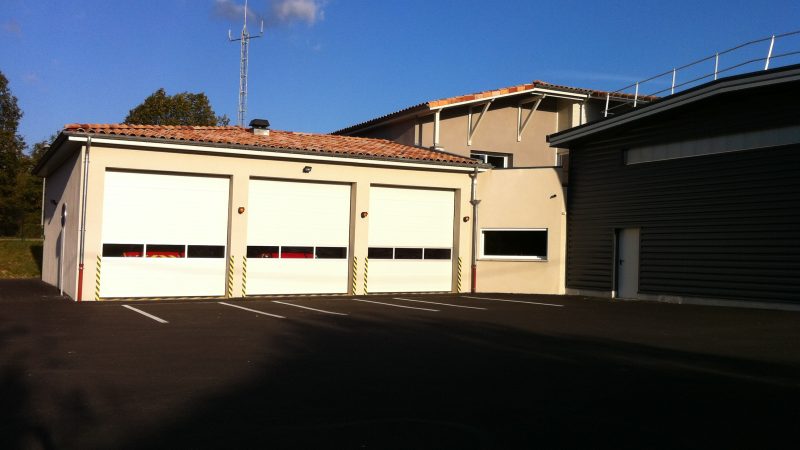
x: 723, y: 226
x: 713, y: 226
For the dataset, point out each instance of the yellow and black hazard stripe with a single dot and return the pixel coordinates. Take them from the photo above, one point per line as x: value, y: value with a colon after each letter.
x: 366, y: 275
x: 230, y: 277
x: 97, y: 279
x: 458, y: 277
x: 355, y: 274
x: 244, y: 276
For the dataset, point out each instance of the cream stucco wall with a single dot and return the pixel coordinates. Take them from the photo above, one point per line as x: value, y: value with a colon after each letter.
x: 63, y: 187
x: 240, y: 169
x: 523, y: 198
x: 497, y: 130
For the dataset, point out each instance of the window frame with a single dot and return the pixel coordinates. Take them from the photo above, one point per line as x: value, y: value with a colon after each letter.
x: 508, y: 157
x: 484, y: 257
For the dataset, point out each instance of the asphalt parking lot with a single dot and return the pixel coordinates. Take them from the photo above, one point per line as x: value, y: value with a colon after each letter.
x: 485, y: 371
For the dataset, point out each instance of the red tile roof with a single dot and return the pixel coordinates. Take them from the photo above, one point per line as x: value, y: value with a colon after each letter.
x: 344, y: 146
x: 528, y: 87
x: 433, y: 104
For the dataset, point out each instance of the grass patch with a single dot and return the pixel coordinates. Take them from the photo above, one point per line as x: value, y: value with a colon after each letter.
x: 20, y: 259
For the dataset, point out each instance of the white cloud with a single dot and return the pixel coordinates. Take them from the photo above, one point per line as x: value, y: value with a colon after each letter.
x: 280, y: 12
x: 227, y: 9
x: 288, y: 11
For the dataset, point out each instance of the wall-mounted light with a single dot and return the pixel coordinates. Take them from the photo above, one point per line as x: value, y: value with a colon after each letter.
x: 553, y: 195
x: 306, y: 169
x: 465, y: 219
x: 241, y: 210
x: 364, y: 214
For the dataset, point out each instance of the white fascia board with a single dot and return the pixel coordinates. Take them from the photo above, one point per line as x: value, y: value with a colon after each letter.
x: 712, y: 88
x: 549, y: 92
x: 273, y: 153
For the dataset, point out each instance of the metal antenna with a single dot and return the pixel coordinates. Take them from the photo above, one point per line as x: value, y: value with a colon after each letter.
x: 245, y: 44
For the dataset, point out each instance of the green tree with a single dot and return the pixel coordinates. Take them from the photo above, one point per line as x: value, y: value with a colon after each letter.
x: 11, y: 160
x: 28, y: 191
x: 183, y: 108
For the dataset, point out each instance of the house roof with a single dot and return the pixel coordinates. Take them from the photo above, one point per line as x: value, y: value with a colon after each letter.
x: 233, y: 136
x: 511, y: 90
x: 737, y: 83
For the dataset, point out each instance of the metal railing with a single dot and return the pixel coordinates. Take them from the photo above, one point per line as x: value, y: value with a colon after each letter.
x: 777, y: 59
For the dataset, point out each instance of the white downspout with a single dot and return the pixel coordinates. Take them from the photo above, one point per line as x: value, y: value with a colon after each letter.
x: 474, y: 202
x: 82, y: 241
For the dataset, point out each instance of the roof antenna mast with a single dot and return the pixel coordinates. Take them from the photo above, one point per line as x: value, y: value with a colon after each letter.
x: 244, y: 39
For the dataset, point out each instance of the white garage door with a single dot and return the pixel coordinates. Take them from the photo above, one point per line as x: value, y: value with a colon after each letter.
x: 410, y: 240
x: 297, y: 238
x: 163, y: 235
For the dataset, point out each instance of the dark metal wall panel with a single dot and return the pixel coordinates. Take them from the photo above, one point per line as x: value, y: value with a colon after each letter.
x: 722, y: 226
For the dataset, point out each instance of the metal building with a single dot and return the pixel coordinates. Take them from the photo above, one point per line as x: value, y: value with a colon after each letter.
x: 692, y: 198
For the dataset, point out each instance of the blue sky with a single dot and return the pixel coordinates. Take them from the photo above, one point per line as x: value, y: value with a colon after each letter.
x: 326, y: 64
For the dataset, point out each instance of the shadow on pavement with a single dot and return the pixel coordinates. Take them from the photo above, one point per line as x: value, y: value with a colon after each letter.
x: 379, y: 382
x: 469, y: 387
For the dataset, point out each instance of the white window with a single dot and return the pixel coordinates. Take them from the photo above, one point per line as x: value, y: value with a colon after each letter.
x: 514, y: 244
x: 497, y: 160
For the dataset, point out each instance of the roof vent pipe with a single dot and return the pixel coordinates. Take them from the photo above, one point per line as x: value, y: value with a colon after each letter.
x: 260, y: 126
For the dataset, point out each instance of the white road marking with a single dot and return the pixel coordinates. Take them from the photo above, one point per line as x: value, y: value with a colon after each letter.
x: 513, y: 301
x: 312, y: 309
x: 252, y: 310
x: 435, y: 303
x: 157, y: 319
x: 392, y: 304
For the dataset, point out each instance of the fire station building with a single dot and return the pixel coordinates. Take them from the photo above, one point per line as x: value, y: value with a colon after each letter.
x: 141, y: 211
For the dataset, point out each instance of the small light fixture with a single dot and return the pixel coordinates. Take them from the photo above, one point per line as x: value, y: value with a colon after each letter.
x: 466, y: 219
x: 364, y: 214
x: 241, y: 210
x: 553, y: 195
x: 306, y: 169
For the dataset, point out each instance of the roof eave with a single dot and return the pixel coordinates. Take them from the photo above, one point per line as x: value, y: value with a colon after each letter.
x: 713, y: 88
x: 273, y: 150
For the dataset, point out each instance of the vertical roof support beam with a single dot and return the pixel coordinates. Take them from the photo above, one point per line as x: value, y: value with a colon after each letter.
x: 436, y: 127
x: 521, y: 126
x: 471, y: 129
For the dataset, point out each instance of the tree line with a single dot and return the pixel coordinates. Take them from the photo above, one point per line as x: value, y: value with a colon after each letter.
x: 21, y: 190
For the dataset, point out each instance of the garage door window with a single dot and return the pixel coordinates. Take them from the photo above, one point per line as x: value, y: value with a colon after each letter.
x: 165, y: 251
x: 162, y: 251
x: 437, y: 253
x: 514, y: 244
x: 205, y: 251
x: 123, y: 250
x: 408, y: 253
x: 381, y: 253
x: 296, y: 252
x: 331, y: 252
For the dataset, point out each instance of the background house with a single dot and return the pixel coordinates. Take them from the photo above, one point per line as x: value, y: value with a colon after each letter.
x: 693, y: 198
x: 504, y: 127
x: 521, y: 218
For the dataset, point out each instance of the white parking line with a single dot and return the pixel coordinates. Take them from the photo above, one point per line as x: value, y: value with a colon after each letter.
x: 513, y: 301
x: 392, y: 304
x: 252, y: 310
x: 312, y: 309
x: 157, y: 319
x: 435, y: 303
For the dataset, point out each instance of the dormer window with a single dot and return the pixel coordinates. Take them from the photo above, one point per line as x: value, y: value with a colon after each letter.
x: 497, y: 160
